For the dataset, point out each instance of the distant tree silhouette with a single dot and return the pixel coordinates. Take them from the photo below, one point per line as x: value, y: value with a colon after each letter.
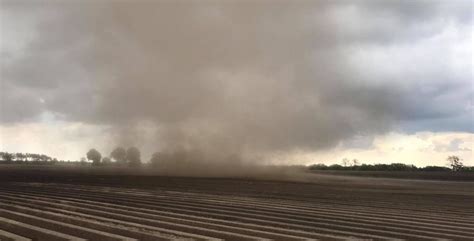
x: 336, y: 167
x: 346, y: 162
x: 155, y: 159
x: 435, y: 169
x: 119, y: 154
x: 95, y: 156
x: 106, y: 161
x: 8, y: 157
x: 133, y: 157
x: 355, y: 162
x: 455, y: 163
x: 20, y: 157
x: 83, y: 161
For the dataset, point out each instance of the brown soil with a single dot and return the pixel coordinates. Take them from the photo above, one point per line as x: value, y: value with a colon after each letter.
x: 60, y: 204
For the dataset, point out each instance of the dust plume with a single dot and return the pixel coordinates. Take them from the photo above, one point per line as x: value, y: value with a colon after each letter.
x: 215, y: 81
x: 227, y: 80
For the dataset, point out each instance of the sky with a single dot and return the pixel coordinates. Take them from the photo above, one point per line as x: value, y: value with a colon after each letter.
x: 271, y: 82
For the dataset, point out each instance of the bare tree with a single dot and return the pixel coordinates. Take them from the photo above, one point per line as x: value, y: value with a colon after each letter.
x: 133, y: 157
x: 95, y: 156
x: 455, y: 163
x: 346, y: 162
x: 355, y: 162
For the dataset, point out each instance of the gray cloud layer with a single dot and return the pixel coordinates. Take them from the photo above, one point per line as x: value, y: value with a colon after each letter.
x: 243, y: 76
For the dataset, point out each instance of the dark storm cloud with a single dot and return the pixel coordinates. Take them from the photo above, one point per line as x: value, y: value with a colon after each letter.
x: 236, y: 77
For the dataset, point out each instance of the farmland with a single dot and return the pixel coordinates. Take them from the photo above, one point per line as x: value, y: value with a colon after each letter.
x: 39, y: 204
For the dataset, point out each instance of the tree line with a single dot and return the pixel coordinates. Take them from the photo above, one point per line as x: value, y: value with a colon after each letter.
x: 119, y: 156
x: 131, y: 157
x: 454, y: 163
x: 31, y: 158
x: 122, y: 157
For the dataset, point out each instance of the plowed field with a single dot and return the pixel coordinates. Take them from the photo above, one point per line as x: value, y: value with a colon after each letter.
x: 108, y: 207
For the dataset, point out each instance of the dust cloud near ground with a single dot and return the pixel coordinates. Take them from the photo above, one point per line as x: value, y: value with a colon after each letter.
x: 226, y: 78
